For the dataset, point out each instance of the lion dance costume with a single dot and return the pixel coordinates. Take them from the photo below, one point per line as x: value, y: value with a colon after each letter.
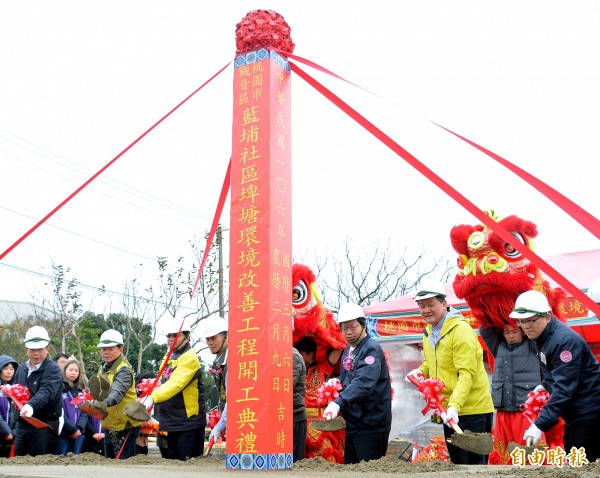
x: 491, y: 275
x: 313, y: 320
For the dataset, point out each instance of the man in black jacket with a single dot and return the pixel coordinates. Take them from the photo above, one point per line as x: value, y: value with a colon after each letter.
x: 366, y: 399
x: 571, y: 375
x: 43, y: 378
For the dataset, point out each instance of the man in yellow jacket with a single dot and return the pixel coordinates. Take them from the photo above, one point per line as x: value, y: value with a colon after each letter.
x: 453, y: 354
x: 181, y: 396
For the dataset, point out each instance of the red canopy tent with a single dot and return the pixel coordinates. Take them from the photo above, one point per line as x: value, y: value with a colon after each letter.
x: 399, y: 319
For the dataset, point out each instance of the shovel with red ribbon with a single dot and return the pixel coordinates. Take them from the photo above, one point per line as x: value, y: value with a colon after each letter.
x: 19, y: 394
x: 431, y: 388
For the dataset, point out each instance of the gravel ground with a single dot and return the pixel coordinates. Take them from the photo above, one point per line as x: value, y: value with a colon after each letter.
x: 94, y: 466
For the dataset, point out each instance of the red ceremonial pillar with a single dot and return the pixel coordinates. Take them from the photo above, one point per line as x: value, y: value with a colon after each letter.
x: 259, y: 378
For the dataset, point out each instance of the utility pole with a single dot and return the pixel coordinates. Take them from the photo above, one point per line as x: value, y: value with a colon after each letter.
x: 220, y: 251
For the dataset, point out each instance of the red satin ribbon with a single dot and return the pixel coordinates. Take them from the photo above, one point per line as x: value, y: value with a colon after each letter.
x: 83, y: 396
x: 105, y: 167
x: 17, y: 392
x: 448, y: 189
x: 431, y: 388
x: 575, y: 211
x: 328, y: 392
x: 534, y: 404
x: 224, y: 191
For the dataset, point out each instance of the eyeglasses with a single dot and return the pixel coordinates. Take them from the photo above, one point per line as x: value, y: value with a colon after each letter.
x: 523, y: 322
x: 351, y: 327
x: 172, y: 336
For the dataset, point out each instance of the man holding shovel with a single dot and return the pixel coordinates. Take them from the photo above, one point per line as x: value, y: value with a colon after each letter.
x: 43, y: 378
x: 571, y: 376
x: 365, y: 401
x: 181, y: 396
x: 116, y: 390
x: 453, y: 354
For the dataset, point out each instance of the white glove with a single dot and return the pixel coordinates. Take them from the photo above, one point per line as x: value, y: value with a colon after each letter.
x: 539, y: 388
x: 533, y: 432
x: 27, y: 410
x: 331, y: 411
x: 216, y: 434
x: 451, y: 414
x: 148, y: 402
x: 416, y: 373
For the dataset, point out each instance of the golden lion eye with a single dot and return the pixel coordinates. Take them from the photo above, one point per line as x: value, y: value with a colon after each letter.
x: 476, y: 240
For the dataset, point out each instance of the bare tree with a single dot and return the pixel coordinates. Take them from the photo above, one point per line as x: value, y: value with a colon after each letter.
x: 377, y: 275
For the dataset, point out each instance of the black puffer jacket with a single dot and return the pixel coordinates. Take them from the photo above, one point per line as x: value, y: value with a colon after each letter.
x: 516, y: 370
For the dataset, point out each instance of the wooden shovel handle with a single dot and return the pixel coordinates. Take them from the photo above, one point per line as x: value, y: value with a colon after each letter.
x: 529, y: 441
x: 209, y: 446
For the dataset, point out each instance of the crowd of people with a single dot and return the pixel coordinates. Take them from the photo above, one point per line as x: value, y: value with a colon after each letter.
x: 534, y: 352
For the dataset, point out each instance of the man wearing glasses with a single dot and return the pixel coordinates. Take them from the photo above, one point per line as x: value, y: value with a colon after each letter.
x: 366, y: 399
x: 571, y: 375
x: 453, y: 354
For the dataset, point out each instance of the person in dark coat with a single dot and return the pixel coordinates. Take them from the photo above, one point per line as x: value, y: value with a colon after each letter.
x: 571, y: 375
x: 516, y: 373
x: 43, y: 378
x: 365, y: 401
x: 300, y: 418
x: 8, y: 367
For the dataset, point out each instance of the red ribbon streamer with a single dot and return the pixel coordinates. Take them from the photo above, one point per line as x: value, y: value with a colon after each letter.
x: 105, y: 167
x: 448, y: 189
x: 224, y: 191
x: 575, y: 211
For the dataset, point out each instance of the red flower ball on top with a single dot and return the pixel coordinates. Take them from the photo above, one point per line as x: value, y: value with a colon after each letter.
x: 263, y: 29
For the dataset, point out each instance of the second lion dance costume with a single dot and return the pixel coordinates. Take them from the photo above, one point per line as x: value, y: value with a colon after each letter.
x: 312, y: 320
x: 491, y: 275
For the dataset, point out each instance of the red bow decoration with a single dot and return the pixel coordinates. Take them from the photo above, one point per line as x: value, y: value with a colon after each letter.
x: 145, y: 387
x: 84, y: 396
x: 432, y: 388
x: 16, y: 392
x: 534, y: 404
x: 329, y: 391
x: 213, y: 417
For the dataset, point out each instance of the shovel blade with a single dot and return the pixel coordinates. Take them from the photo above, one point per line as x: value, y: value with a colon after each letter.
x: 35, y: 422
x: 480, y: 443
x: 136, y: 411
x: 324, y: 425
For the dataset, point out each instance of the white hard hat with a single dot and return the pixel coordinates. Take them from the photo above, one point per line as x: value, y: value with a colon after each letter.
x: 36, y: 338
x: 593, y: 293
x: 350, y: 311
x: 175, y: 322
x: 110, y: 338
x: 212, y: 326
x: 428, y: 289
x: 530, y: 303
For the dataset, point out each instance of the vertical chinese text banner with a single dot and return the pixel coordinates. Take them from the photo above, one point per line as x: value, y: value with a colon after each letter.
x: 259, y: 382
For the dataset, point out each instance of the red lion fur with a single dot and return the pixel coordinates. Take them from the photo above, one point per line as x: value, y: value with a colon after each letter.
x: 491, y: 295
x: 311, y: 317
